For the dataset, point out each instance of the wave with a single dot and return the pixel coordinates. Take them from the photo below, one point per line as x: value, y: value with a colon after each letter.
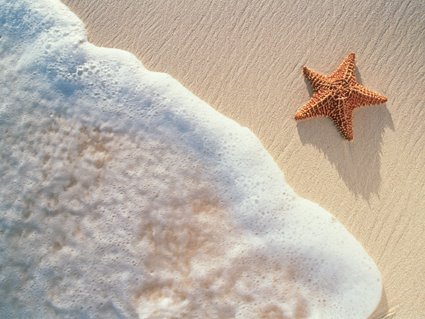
x: 124, y: 195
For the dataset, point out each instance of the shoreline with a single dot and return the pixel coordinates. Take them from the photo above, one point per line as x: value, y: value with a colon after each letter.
x: 232, y: 57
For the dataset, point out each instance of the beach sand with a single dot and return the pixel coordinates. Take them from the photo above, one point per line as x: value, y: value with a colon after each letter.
x: 245, y: 59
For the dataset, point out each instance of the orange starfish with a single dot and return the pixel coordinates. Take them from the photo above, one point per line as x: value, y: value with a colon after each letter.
x: 337, y: 95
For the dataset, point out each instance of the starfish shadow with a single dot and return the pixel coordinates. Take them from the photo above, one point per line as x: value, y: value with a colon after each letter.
x: 358, y: 162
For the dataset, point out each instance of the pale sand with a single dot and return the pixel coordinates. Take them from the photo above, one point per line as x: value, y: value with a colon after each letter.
x: 245, y: 59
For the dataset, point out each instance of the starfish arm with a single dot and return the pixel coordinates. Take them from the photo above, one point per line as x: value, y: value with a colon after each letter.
x: 361, y: 96
x: 317, y: 106
x: 343, y: 119
x: 316, y: 80
x: 345, y: 70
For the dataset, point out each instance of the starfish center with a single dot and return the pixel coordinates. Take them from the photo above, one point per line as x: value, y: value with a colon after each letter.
x: 340, y: 89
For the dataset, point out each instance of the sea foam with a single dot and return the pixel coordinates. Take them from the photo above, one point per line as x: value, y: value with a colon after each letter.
x: 123, y: 195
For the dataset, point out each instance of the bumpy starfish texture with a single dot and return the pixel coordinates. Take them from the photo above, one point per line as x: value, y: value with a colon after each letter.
x: 337, y: 95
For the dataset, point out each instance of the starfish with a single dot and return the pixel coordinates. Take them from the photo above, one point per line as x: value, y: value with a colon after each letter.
x: 337, y: 95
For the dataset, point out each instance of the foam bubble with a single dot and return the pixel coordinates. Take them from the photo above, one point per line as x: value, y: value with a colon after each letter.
x: 124, y: 195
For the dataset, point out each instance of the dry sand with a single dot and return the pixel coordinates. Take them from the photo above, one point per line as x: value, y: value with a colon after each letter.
x: 245, y: 59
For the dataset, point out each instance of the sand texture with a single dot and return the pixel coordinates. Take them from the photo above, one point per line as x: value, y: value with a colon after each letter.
x: 245, y: 58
